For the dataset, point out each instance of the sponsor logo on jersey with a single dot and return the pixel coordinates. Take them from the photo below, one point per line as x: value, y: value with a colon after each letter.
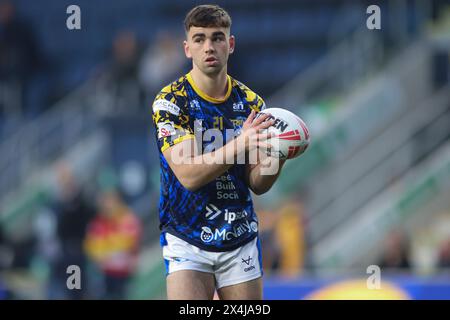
x: 206, y: 235
x: 254, y: 226
x: 238, y: 107
x: 166, y: 129
x: 226, y: 188
x: 212, y: 211
x: 231, y: 216
x: 195, y: 104
x: 165, y: 105
x: 237, y: 231
x: 237, y: 125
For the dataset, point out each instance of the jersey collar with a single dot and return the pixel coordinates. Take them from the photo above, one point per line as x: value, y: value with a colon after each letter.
x: 204, y: 95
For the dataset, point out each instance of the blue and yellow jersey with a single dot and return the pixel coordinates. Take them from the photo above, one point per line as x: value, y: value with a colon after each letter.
x: 218, y: 216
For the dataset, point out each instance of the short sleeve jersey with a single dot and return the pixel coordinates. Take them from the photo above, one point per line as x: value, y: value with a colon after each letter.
x: 218, y: 216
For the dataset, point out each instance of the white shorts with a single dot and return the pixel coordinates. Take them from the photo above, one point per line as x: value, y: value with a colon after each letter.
x: 229, y: 268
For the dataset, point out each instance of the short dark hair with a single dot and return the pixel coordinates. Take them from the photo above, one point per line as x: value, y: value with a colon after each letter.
x: 207, y: 15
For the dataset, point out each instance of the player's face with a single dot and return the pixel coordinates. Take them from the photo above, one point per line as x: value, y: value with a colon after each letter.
x: 209, y: 48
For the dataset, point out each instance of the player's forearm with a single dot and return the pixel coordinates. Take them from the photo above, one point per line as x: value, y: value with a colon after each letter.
x: 204, y: 168
x: 260, y: 180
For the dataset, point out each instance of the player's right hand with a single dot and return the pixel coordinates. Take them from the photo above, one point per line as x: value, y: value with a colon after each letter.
x: 253, y: 132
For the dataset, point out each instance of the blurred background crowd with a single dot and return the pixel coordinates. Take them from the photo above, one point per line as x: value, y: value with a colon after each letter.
x: 79, y: 168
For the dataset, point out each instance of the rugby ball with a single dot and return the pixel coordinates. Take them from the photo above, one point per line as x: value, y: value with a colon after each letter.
x: 291, y: 135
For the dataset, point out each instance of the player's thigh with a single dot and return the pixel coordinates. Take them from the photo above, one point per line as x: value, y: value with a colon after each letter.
x: 190, y: 285
x: 249, y: 290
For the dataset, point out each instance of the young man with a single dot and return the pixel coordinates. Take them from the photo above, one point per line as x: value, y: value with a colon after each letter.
x: 209, y: 227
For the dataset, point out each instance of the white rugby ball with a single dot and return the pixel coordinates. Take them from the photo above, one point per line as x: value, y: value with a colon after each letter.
x: 291, y: 134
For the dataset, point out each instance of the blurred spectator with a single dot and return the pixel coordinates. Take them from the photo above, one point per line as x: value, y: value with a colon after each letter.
x: 437, y: 8
x: 5, y: 263
x: 290, y: 236
x: 6, y: 255
x: 23, y: 244
x: 112, y: 242
x: 161, y: 62
x: 73, y: 212
x: 269, y: 245
x: 19, y: 60
x: 444, y: 255
x: 396, y: 251
x: 118, y: 88
x: 3, y: 291
x: 47, y: 245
